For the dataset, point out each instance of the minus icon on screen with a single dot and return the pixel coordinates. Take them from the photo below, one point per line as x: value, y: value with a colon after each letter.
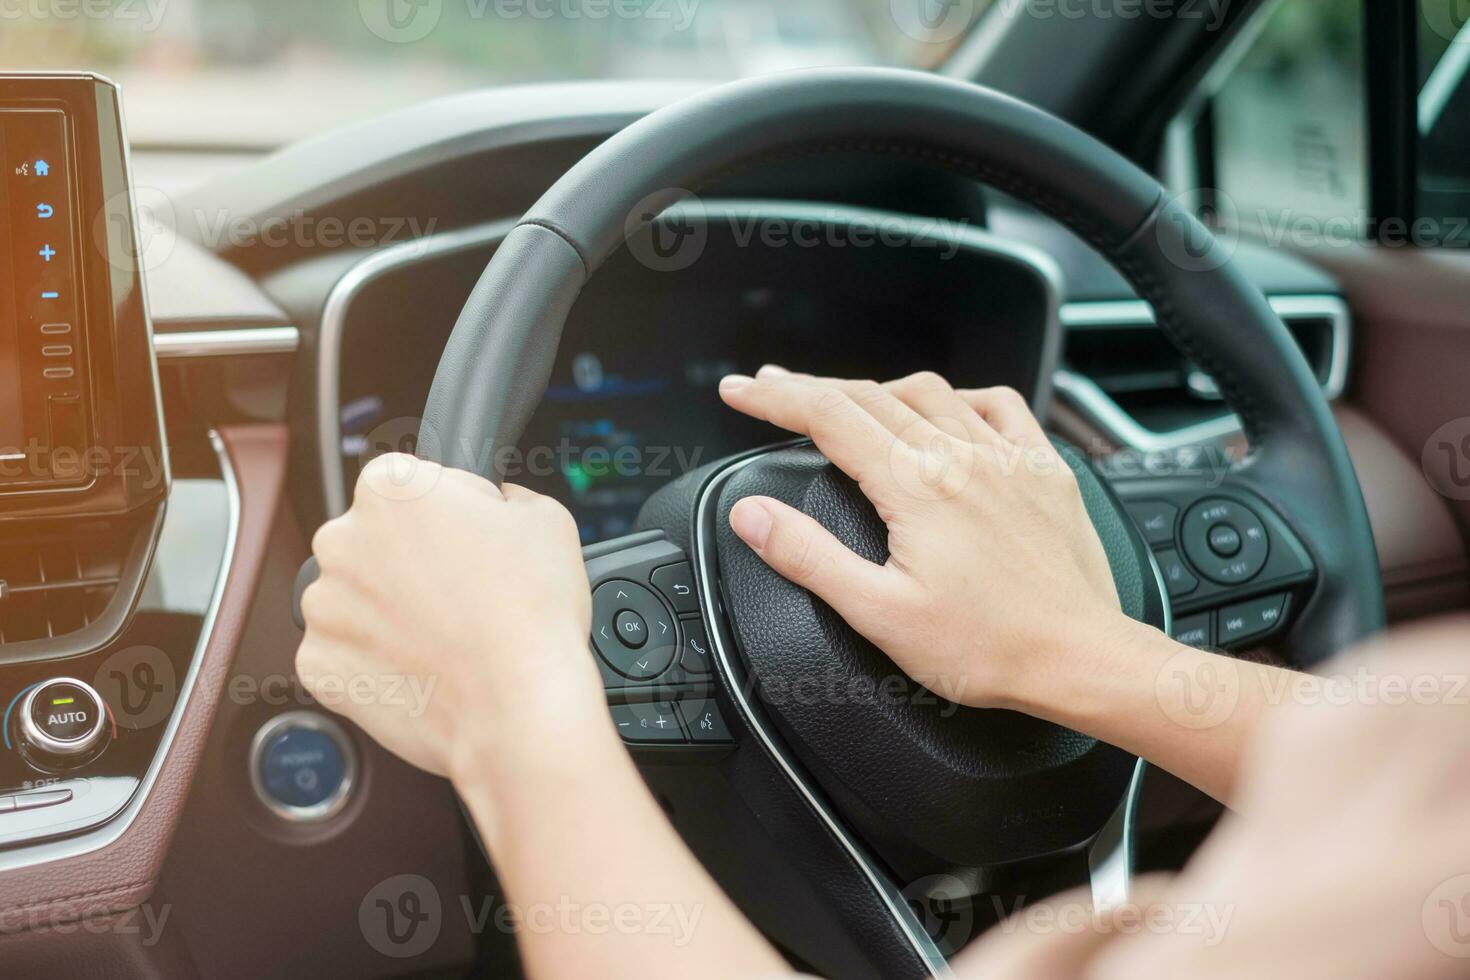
x: 51, y: 296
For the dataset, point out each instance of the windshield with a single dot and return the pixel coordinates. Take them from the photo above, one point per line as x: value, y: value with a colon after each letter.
x: 249, y: 73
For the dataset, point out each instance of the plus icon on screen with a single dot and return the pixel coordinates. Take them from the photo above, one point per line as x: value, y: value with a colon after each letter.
x: 47, y: 253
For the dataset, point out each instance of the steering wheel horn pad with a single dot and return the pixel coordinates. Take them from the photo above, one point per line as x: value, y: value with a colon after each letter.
x: 942, y: 786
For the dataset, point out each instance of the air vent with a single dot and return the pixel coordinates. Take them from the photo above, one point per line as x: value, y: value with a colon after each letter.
x: 55, y: 584
x: 1126, y: 378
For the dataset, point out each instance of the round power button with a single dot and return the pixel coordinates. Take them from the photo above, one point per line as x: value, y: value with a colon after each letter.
x: 63, y: 721
x: 302, y: 766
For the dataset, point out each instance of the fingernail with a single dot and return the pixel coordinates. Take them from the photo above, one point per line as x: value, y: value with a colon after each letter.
x: 772, y: 371
x: 753, y: 523
x: 735, y: 382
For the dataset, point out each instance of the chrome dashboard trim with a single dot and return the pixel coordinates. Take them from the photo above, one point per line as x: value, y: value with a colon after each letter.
x: 226, y: 343
x: 27, y: 856
x: 334, y: 323
x: 913, y: 930
x: 1113, y: 421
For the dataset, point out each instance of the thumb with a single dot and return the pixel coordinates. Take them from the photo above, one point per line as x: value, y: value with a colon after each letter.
x: 807, y: 554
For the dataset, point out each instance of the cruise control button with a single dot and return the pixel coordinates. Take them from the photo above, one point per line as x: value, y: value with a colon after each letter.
x: 1251, y: 620
x: 1177, y: 576
x: 648, y: 724
x: 1194, y: 631
x: 704, y: 721
x: 1200, y: 528
x: 697, y: 658
x: 676, y: 582
x: 632, y: 630
x: 1225, y: 541
x: 1155, y: 519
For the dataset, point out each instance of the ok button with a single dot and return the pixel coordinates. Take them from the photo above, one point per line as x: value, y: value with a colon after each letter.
x: 632, y: 630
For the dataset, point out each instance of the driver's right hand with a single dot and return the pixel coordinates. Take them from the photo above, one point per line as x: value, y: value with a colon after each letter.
x: 997, y: 582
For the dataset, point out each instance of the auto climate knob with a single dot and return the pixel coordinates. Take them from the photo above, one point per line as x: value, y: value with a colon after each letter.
x: 63, y: 724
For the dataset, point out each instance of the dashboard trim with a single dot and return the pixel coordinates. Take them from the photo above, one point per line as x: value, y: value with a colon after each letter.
x: 334, y: 323
x: 226, y: 343
x: 1100, y: 409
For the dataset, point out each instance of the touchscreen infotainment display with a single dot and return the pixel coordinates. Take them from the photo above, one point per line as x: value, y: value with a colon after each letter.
x: 39, y: 295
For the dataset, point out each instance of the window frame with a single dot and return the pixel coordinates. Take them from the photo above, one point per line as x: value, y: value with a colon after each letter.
x: 1391, y: 100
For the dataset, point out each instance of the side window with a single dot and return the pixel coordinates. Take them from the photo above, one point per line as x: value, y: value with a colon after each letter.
x: 1279, y: 130
x: 1289, y: 117
x: 1444, y: 117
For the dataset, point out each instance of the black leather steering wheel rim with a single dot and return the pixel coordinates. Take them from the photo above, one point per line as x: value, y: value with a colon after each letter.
x: 495, y: 368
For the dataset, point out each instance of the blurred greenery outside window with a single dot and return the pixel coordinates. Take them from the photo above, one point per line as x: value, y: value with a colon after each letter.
x: 1290, y: 125
x: 1444, y: 117
x: 258, y: 73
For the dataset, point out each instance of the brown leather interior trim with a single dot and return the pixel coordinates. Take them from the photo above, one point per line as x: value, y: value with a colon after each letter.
x: 122, y: 875
x: 1419, y: 546
x: 1420, y: 549
x: 1412, y: 341
x: 257, y: 896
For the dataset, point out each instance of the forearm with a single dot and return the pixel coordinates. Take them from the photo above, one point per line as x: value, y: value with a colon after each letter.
x: 1188, y: 711
x: 602, y: 883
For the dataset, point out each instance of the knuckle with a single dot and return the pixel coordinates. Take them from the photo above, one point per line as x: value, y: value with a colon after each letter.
x: 927, y: 381
x: 383, y: 474
x: 828, y: 404
x: 314, y: 605
x: 802, y: 562
x: 1007, y: 395
x: 868, y: 393
x: 329, y: 542
x: 307, y: 659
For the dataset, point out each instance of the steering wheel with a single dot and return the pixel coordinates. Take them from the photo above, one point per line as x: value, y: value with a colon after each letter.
x: 870, y: 790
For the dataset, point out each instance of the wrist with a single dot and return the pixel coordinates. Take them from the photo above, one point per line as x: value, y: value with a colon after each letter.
x: 529, y: 720
x: 1093, y: 673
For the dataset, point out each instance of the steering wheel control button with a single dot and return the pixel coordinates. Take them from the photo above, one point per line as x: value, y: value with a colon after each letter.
x: 1225, y: 541
x: 1155, y: 519
x: 696, y: 659
x: 302, y: 766
x: 1251, y: 620
x: 1209, y: 529
x: 676, y: 583
x: 705, y: 723
x: 63, y: 723
x: 648, y: 724
x: 632, y: 630
x: 1194, y: 631
x: 1177, y: 576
